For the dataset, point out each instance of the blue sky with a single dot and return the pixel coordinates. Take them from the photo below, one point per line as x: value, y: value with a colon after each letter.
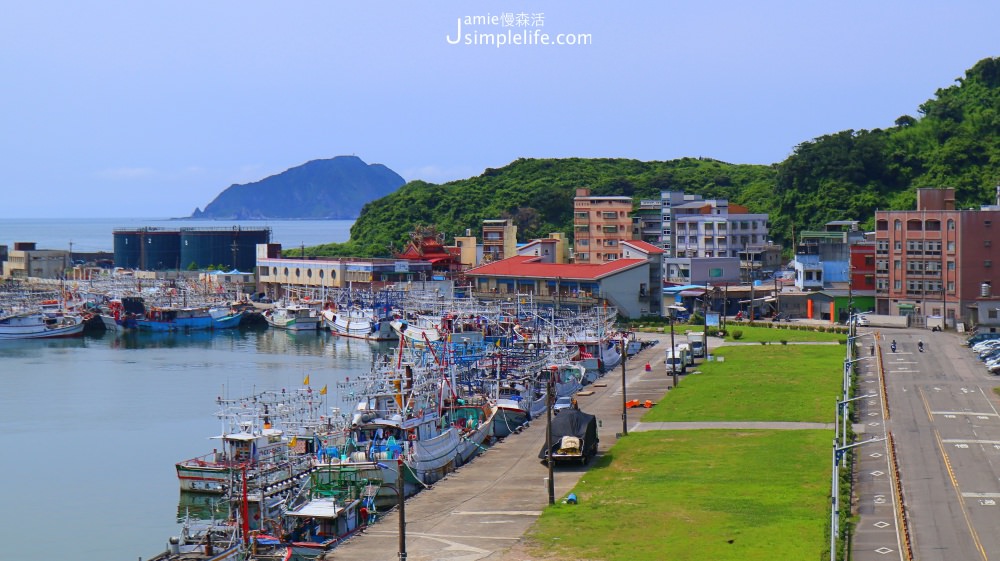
x: 151, y: 108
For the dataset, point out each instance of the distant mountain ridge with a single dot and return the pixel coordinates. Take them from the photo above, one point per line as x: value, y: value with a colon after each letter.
x: 329, y: 189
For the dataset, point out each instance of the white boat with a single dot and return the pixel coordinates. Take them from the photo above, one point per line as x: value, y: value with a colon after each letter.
x: 293, y: 318
x: 398, y: 424
x: 255, y: 436
x: 418, y: 331
x: 39, y: 325
x: 359, y: 324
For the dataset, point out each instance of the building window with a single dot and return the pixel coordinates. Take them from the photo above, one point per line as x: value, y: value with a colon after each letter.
x: 933, y: 225
x: 898, y: 246
x: 988, y: 263
x: 913, y: 225
x: 951, y: 246
x: 882, y: 225
x: 991, y: 313
x: 951, y: 286
x: 321, y: 273
x: 951, y: 265
x: 951, y: 224
x: 897, y: 225
x: 309, y: 273
x: 897, y: 284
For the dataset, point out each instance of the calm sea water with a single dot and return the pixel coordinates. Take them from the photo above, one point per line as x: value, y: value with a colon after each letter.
x: 91, y: 428
x: 96, y: 234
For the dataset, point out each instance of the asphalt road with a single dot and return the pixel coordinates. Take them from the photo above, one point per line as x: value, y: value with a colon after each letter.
x: 944, y: 420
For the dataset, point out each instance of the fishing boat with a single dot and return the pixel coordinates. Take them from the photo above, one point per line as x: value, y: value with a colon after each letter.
x: 203, y: 542
x: 418, y: 330
x: 225, y: 318
x: 175, y: 319
x: 330, y: 507
x: 397, y: 425
x: 40, y: 325
x: 473, y: 416
x: 251, y: 439
x: 293, y: 318
x: 123, y: 314
x: 358, y: 323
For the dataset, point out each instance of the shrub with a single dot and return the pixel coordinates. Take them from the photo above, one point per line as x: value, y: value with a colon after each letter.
x: 784, y: 342
x: 763, y: 342
x: 737, y: 334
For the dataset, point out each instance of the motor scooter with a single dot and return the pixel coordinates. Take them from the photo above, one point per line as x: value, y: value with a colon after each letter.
x: 920, y: 346
x: 893, y: 346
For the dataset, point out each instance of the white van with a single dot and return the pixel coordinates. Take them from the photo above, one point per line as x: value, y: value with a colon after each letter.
x: 696, y: 340
x: 684, y: 349
x: 676, y: 362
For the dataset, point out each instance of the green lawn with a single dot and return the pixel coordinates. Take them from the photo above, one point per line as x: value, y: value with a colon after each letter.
x: 758, y: 383
x: 712, y: 495
x: 778, y: 334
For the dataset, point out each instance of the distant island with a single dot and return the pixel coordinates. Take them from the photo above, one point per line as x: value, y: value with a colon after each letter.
x: 329, y: 189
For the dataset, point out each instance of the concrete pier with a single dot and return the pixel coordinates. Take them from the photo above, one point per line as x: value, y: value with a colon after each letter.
x: 482, y: 510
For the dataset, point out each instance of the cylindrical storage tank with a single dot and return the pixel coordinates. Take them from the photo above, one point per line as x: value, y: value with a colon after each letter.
x: 127, y: 248
x: 161, y: 249
x: 984, y: 290
x: 228, y: 248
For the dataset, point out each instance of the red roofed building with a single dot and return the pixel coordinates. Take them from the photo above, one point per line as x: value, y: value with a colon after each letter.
x: 427, y: 245
x: 632, y: 284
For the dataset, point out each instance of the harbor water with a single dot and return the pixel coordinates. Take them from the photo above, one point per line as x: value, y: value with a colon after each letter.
x: 92, y: 427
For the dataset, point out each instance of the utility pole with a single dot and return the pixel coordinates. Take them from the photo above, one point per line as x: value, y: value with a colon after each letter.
x: 235, y: 248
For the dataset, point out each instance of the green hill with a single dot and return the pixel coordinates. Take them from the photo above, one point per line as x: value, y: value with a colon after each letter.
x: 847, y: 175
x: 538, y: 195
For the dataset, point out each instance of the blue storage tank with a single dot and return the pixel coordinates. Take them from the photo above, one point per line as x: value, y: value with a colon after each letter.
x: 149, y: 249
x: 231, y: 248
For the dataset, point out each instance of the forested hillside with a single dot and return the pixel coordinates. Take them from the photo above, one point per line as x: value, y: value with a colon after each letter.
x: 538, y: 195
x: 953, y: 142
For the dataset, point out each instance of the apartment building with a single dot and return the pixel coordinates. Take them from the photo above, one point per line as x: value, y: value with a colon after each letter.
x: 935, y: 260
x: 499, y: 239
x: 600, y: 225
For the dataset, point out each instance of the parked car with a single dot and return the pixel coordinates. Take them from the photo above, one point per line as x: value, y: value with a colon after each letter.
x: 562, y: 403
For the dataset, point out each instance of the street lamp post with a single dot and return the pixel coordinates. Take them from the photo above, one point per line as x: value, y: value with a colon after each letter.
x: 838, y: 452
x: 847, y: 373
x: 402, y: 509
x: 672, y: 311
x: 624, y: 398
x: 548, y: 437
x: 842, y: 417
